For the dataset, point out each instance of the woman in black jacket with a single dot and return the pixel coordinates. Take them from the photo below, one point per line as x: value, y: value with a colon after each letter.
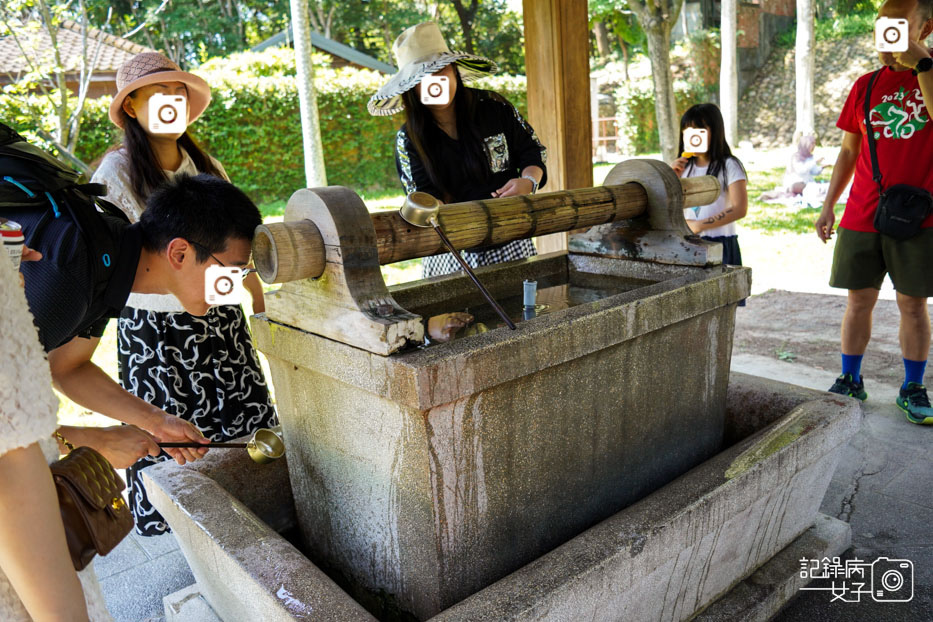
x: 458, y: 143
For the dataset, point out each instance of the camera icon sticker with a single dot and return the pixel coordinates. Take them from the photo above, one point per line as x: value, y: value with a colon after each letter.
x: 884, y: 580
x: 891, y: 34
x: 168, y: 114
x: 435, y: 90
x: 892, y: 580
x: 223, y: 285
x: 696, y: 140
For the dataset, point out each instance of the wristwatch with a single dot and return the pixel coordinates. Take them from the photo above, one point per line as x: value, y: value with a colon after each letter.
x: 534, y: 183
x: 924, y: 65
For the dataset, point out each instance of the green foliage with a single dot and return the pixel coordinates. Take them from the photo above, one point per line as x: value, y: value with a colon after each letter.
x: 705, y: 55
x: 849, y: 7
x: 784, y: 354
x: 28, y: 26
x: 500, y: 35
x: 619, y: 19
x: 833, y: 28
x: 253, y: 125
x: 97, y: 132
x: 635, y: 102
x: 191, y: 31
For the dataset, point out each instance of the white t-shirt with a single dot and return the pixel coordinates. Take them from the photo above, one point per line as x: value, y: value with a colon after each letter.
x: 114, y: 171
x: 730, y: 173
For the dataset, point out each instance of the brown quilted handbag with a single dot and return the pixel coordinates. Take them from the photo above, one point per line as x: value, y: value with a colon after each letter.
x: 89, y: 492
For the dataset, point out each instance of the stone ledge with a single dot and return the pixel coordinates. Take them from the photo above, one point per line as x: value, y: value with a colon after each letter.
x: 763, y: 593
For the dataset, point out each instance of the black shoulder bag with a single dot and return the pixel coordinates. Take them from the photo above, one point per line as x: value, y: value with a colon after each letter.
x: 901, y: 208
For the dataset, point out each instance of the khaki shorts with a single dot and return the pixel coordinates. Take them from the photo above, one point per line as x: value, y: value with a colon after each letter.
x: 861, y: 260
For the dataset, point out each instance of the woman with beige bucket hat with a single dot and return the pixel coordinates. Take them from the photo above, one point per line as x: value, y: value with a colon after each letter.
x: 458, y: 143
x: 202, y: 369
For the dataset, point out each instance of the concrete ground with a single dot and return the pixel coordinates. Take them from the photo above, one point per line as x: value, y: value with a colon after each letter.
x: 138, y: 573
x: 882, y: 485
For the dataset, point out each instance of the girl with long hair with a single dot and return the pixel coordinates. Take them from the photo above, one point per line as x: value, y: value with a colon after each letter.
x: 201, y: 369
x: 458, y: 143
x: 714, y: 222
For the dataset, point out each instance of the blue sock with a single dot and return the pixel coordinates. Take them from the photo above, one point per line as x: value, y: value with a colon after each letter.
x: 852, y: 364
x: 913, y: 372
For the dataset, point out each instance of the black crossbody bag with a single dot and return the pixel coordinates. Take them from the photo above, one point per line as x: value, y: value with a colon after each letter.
x: 901, y: 208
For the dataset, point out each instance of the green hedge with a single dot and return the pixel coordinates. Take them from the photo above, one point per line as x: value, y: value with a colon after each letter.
x: 253, y: 125
x: 635, y: 103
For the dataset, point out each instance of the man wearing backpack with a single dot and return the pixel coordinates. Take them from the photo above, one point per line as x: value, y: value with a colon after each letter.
x: 887, y: 226
x: 84, y: 277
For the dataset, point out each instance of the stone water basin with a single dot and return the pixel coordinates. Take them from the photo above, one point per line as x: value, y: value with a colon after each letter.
x: 422, y: 477
x: 665, y: 557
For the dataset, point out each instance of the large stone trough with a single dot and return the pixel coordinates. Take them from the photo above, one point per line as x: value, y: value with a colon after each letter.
x: 438, y: 480
x: 666, y: 557
x: 425, y: 476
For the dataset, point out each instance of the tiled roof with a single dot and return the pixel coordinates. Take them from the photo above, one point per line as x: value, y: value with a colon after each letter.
x: 331, y: 47
x: 113, y: 52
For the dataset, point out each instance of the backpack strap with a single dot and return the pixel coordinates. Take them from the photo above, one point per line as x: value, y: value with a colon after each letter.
x: 8, y: 135
x: 92, y: 190
x: 875, y: 170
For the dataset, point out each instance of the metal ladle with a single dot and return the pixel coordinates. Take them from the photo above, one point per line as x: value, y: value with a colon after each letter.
x: 263, y: 447
x: 420, y: 210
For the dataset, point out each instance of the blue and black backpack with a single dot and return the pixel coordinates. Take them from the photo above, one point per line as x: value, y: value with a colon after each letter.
x: 38, y: 188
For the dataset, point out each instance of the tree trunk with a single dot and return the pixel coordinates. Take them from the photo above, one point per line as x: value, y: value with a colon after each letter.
x: 805, y: 67
x: 310, y: 126
x: 728, y: 73
x: 707, y: 14
x: 665, y: 105
x: 657, y: 17
x: 602, y: 40
x: 625, y: 58
x: 466, y: 16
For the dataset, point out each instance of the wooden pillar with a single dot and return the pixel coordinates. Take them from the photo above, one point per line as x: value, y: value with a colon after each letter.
x: 557, y: 63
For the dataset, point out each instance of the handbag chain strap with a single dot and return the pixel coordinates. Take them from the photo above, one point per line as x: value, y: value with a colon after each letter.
x: 875, y: 169
x: 64, y: 441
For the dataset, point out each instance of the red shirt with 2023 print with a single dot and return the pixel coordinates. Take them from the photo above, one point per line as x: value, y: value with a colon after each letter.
x: 903, y: 142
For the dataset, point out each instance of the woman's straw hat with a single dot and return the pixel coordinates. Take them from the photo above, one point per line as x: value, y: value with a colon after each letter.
x: 150, y: 68
x: 419, y: 52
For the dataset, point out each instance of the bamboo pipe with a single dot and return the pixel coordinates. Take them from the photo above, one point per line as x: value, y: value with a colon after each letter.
x: 290, y: 251
x: 286, y: 252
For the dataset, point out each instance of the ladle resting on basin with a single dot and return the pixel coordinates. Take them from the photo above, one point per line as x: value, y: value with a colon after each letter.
x: 420, y: 210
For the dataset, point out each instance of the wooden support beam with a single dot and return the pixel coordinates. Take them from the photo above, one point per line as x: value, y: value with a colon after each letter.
x: 557, y: 63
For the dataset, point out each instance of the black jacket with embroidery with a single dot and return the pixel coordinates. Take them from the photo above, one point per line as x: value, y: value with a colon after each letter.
x: 510, y: 145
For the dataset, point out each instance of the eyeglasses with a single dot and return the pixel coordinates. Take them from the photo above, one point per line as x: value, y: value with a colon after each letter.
x: 244, y: 271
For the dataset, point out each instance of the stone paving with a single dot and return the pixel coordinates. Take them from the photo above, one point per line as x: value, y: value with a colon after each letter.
x: 138, y: 573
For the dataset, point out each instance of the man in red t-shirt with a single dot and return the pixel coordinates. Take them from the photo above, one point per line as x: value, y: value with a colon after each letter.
x: 903, y: 134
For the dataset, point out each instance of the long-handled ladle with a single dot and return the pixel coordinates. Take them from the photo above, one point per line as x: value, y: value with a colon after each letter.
x: 265, y: 445
x: 420, y: 210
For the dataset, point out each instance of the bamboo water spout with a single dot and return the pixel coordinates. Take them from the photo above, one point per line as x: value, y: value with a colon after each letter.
x: 291, y: 251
